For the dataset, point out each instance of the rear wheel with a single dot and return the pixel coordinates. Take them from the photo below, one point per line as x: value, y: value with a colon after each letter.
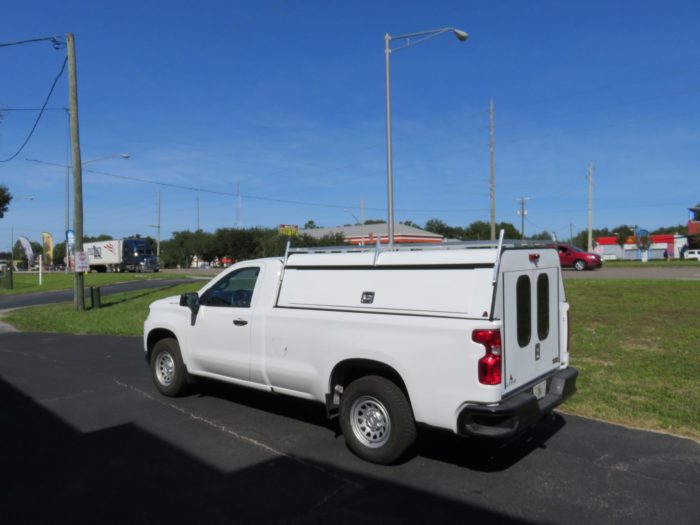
x: 376, y: 420
x: 580, y: 265
x: 167, y: 368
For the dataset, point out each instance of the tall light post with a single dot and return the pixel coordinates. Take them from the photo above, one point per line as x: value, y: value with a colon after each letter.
x: 68, y: 171
x: 68, y: 168
x: 362, y: 226
x: 421, y: 36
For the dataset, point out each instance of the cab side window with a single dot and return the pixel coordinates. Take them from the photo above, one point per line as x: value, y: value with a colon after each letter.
x: 233, y: 290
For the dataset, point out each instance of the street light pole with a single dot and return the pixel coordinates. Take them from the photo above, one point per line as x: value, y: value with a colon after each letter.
x: 389, y: 154
x: 422, y: 36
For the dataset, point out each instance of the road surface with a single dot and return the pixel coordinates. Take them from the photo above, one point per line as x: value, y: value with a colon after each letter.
x: 60, y: 296
x: 87, y: 439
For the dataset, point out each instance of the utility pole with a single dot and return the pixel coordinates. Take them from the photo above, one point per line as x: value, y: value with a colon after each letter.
x: 197, y: 212
x: 571, y: 233
x: 157, y: 227
x: 238, y: 204
x: 158, y: 230
x: 590, y: 206
x: 493, y: 176
x: 79, y: 284
x: 522, y: 212
x: 65, y: 234
x: 362, y: 219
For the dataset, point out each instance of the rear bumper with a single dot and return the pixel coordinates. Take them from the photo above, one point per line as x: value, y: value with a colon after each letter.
x: 506, y: 419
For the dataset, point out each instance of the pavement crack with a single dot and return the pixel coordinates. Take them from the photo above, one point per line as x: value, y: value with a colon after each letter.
x: 66, y: 397
x: 247, y: 439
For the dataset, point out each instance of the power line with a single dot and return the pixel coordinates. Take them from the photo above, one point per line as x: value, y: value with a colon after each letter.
x: 32, y: 109
x: 55, y: 41
x: 38, y: 118
x: 252, y: 197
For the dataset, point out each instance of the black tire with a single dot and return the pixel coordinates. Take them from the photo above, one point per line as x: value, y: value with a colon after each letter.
x: 580, y: 265
x: 167, y: 368
x: 391, y: 431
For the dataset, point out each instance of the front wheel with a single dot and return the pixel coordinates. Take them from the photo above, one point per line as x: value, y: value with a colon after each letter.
x: 580, y: 265
x: 376, y: 420
x: 167, y: 368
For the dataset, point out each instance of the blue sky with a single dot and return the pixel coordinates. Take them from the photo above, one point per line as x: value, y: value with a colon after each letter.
x: 287, y: 98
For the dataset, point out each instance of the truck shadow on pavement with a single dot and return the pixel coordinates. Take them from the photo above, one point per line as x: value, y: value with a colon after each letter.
x: 487, y: 455
x: 53, y: 473
x: 475, y: 454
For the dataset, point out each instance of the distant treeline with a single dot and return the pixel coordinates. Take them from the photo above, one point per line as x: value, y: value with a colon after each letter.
x: 249, y: 243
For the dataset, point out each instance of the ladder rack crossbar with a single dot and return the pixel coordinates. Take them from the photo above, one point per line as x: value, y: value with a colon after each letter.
x: 460, y: 245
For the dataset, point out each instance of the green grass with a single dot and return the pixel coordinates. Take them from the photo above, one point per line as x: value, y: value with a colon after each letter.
x: 121, y: 314
x: 29, y: 282
x: 656, y: 263
x: 637, y: 346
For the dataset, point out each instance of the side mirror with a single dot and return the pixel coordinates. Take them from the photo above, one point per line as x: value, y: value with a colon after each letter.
x: 190, y: 300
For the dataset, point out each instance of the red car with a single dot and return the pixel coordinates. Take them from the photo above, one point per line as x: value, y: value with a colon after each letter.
x: 573, y: 257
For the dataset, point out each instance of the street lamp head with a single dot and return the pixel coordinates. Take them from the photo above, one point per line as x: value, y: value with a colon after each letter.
x: 461, y: 35
x: 125, y: 155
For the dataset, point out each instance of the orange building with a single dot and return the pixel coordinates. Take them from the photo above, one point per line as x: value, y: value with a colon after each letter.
x: 369, y: 233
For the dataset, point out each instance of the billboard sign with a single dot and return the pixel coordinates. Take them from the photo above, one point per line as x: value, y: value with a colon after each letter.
x: 290, y: 230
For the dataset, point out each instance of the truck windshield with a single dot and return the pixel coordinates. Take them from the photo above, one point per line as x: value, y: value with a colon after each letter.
x: 140, y: 248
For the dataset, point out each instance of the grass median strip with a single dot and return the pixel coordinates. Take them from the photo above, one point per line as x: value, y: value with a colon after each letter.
x: 29, y: 282
x: 636, y: 344
x: 121, y: 313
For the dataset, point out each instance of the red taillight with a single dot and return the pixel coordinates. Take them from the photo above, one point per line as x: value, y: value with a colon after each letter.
x: 568, y: 331
x: 490, y: 364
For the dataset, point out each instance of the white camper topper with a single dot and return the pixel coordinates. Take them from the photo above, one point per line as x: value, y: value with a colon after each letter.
x: 470, y: 340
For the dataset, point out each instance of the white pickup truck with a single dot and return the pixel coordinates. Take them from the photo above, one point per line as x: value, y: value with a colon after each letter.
x: 473, y: 340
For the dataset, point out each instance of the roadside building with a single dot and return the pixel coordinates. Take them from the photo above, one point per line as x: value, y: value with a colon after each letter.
x: 369, y: 233
x: 609, y: 248
x: 694, y: 221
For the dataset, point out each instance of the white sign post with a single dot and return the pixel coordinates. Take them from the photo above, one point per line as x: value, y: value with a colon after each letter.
x: 82, y: 264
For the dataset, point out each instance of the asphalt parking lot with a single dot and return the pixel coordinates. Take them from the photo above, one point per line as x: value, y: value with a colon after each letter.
x: 87, y: 439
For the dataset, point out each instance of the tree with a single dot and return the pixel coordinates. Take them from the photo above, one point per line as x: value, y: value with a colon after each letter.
x: 544, y: 235
x: 681, y: 229
x: 5, y: 199
x: 100, y: 237
x: 441, y: 228
x: 477, y: 231
x: 310, y: 225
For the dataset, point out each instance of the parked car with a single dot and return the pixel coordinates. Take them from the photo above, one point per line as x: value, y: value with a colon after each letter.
x: 693, y: 254
x: 471, y: 340
x: 574, y: 257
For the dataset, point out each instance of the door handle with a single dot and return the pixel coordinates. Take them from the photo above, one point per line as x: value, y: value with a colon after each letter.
x: 240, y: 322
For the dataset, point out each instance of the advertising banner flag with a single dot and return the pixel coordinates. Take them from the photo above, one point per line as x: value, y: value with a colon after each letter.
x: 47, y: 241
x: 27, y: 247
